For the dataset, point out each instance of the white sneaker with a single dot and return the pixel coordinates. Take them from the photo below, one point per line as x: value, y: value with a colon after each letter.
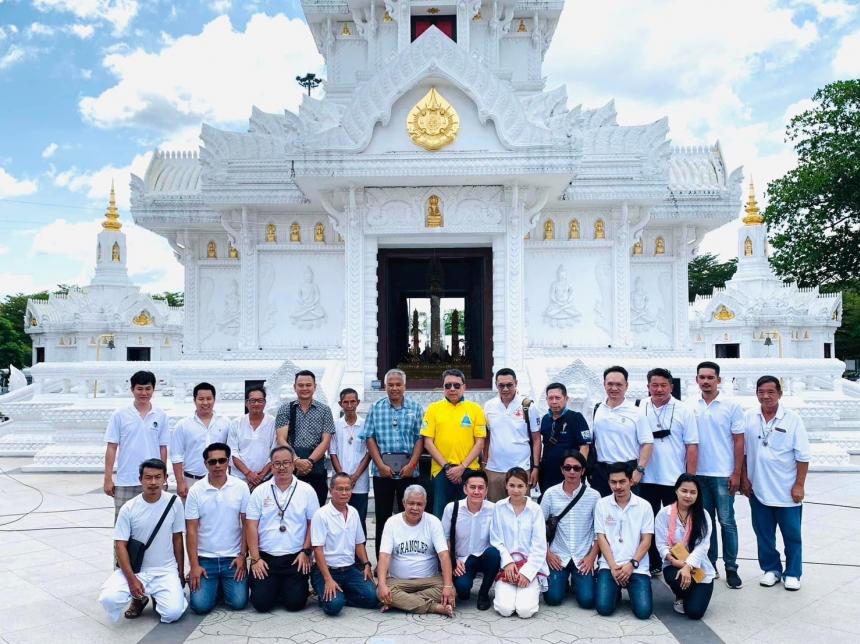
x: 791, y: 583
x: 678, y: 606
x: 770, y: 579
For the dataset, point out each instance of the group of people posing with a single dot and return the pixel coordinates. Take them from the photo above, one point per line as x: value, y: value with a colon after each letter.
x: 532, y: 504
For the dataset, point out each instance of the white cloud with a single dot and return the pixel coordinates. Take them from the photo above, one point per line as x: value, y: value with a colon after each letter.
x: 846, y: 62
x: 82, y: 31
x: 14, y: 283
x: 216, y: 76
x: 96, y: 184
x: 49, y: 151
x: 837, y: 10
x: 3, y: 249
x: 12, y: 187
x: 13, y: 55
x: 117, y: 12
x: 39, y: 29
x: 221, y: 6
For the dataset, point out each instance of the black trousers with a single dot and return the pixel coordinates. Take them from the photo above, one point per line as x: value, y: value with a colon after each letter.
x: 319, y: 482
x: 284, y: 585
x: 388, y: 499
x: 599, y: 477
x: 658, y: 496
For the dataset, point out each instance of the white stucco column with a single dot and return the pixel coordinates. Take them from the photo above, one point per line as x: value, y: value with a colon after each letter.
x: 680, y: 280
x: 190, y: 341
x: 354, y: 294
x: 621, y: 336
x: 247, y: 244
x: 508, y: 291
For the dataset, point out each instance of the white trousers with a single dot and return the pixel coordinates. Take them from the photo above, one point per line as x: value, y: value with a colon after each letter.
x: 511, y: 599
x: 164, y: 587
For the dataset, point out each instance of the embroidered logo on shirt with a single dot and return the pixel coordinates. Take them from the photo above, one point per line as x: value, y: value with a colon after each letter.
x: 586, y: 434
x: 466, y: 422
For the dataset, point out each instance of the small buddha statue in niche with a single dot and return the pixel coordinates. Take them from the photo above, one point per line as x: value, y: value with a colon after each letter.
x: 434, y: 213
x: 599, y: 229
x: 573, y: 231
x: 548, y: 230
x: 319, y: 232
x: 660, y: 246
x: 233, y: 252
x: 211, y: 250
x: 114, y: 252
x: 295, y: 233
x: 637, y: 247
x: 271, y: 233
x: 748, y: 251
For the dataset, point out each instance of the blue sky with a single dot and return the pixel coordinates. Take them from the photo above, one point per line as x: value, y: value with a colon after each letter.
x: 88, y: 88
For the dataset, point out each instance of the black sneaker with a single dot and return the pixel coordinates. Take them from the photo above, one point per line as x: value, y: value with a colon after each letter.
x: 733, y: 580
x: 484, y: 602
x: 655, y: 572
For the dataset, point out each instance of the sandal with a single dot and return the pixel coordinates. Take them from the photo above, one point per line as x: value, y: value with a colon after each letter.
x: 135, y: 608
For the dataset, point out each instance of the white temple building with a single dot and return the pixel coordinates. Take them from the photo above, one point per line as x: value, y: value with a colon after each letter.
x: 438, y: 165
x: 108, y: 320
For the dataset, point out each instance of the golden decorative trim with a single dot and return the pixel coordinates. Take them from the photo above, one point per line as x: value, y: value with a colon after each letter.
x: 433, y: 123
x: 387, y: 18
x: 432, y: 11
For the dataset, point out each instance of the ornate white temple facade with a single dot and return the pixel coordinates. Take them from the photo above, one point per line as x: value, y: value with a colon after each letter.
x: 438, y: 164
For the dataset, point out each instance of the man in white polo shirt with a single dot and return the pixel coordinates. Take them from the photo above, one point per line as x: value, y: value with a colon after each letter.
x: 619, y: 432
x: 777, y: 461
x: 513, y: 435
x: 192, y: 434
x: 214, y: 521
x: 624, y: 524
x: 134, y: 434
x: 348, y: 451
x: 278, y: 532
x: 675, y: 451
x: 721, y: 457
x: 251, y: 437
x: 342, y: 574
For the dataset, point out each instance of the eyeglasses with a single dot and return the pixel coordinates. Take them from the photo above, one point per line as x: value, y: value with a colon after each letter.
x: 506, y: 385
x: 255, y: 401
x: 281, y: 465
x: 217, y: 461
x: 572, y: 468
x: 453, y: 385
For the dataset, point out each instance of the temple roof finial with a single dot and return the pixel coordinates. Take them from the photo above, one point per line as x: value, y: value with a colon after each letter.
x: 753, y: 214
x: 111, y: 221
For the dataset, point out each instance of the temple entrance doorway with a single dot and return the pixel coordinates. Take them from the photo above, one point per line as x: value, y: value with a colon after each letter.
x: 435, y: 313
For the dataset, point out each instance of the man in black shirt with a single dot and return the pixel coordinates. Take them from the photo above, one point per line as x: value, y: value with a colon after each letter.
x: 561, y: 429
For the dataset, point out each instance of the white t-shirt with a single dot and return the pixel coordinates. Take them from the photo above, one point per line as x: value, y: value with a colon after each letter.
x: 619, y: 432
x: 772, y: 468
x: 338, y: 535
x: 263, y: 508
x: 137, y: 520
x: 138, y: 438
x: 219, y: 532
x: 414, y: 549
x: 251, y: 446
x: 510, y: 441
x: 623, y: 529
x: 191, y: 437
x: 350, y: 448
x: 669, y: 455
x: 717, y: 423
x: 473, y: 530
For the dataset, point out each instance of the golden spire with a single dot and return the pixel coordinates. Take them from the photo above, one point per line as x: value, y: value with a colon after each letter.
x: 753, y: 215
x: 111, y: 221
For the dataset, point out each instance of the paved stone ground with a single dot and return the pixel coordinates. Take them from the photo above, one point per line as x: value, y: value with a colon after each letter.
x: 49, y: 581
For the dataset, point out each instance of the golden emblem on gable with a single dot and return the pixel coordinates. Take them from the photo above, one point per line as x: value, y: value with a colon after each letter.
x: 433, y: 123
x: 723, y: 313
x: 142, y: 319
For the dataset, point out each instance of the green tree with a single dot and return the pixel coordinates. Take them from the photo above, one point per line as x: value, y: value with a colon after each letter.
x: 848, y: 335
x: 814, y: 210
x: 174, y: 298
x: 446, y: 322
x: 15, y: 345
x: 705, y: 272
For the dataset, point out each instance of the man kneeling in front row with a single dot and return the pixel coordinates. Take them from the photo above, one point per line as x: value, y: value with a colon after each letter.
x: 155, y: 517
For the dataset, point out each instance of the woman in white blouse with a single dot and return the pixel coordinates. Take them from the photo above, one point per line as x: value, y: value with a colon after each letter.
x: 686, y: 522
x: 518, y: 532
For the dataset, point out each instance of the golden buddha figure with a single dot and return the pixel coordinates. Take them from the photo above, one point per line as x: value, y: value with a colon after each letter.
x: 521, y: 28
x: 434, y: 213
x: 748, y: 251
x: 637, y: 247
x: 573, y: 229
x: 319, y: 232
x: 233, y: 253
x: 271, y: 233
x: 114, y: 252
x: 295, y: 233
x: 599, y: 229
x: 548, y: 230
x: 660, y: 246
x: 211, y: 250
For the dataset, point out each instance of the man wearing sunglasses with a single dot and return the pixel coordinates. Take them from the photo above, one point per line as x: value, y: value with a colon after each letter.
x: 454, y: 430
x: 214, y: 521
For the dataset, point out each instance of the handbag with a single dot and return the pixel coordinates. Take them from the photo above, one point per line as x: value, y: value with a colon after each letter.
x: 553, y: 521
x: 137, y: 549
x: 452, y: 537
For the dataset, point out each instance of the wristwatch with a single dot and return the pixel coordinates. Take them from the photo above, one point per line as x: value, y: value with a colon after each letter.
x: 312, y: 461
x: 308, y: 551
x: 640, y: 469
x: 634, y: 563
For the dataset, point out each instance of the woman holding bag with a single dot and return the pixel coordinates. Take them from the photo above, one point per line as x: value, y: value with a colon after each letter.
x: 682, y: 532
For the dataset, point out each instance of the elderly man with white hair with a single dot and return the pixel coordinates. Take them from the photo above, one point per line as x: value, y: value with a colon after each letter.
x: 412, y: 551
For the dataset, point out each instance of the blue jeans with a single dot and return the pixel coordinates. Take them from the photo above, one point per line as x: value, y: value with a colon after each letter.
x: 487, y: 564
x: 639, y: 588
x: 359, y: 502
x: 355, y: 589
x: 581, y: 585
x: 765, y: 519
x: 444, y: 492
x: 717, y: 500
x: 219, y: 577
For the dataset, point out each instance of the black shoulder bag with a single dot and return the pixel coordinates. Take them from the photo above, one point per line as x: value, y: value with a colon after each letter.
x: 452, y: 537
x: 527, y: 403
x: 137, y: 549
x: 553, y: 521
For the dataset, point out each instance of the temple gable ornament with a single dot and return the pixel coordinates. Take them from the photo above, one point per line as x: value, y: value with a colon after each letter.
x: 433, y: 123
x: 723, y: 313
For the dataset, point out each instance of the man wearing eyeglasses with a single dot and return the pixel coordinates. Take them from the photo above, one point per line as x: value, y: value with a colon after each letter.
x: 454, y: 430
x: 277, y: 528
x: 513, y: 435
x: 214, y: 521
x: 251, y: 437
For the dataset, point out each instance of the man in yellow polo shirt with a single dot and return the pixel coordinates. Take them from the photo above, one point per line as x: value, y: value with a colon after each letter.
x: 454, y: 430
